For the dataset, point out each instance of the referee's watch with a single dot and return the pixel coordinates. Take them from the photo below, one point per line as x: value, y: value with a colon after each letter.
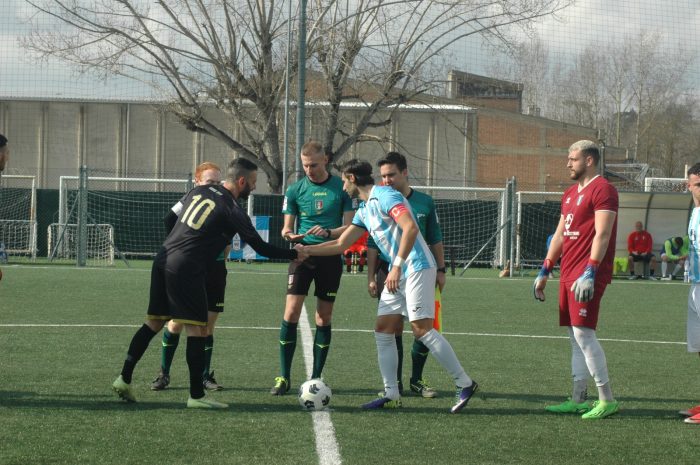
x: 442, y: 270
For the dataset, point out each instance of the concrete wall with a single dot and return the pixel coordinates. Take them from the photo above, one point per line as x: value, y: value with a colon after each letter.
x: 446, y: 145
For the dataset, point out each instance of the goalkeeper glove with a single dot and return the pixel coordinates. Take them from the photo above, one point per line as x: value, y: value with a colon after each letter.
x: 583, y: 286
x: 541, y: 280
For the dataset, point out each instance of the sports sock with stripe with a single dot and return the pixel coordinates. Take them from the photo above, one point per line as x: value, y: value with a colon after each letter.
x: 208, y: 351
x: 288, y: 343
x: 419, y: 355
x: 137, y: 347
x: 399, y: 351
x: 322, y: 342
x: 170, y: 343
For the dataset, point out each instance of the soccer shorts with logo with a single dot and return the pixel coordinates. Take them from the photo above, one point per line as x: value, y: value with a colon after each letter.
x: 415, y: 298
x: 216, y: 286
x: 177, y: 294
x: 693, y: 327
x: 572, y: 313
x: 324, y: 272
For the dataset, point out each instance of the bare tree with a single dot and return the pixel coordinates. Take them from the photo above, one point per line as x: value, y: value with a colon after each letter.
x: 528, y: 63
x: 657, y: 81
x: 673, y: 141
x: 616, y: 69
x: 230, y: 54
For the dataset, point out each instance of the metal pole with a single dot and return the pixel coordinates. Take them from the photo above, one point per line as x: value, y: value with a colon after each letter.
x: 301, y: 87
x: 82, y: 217
x: 285, y: 147
x: 511, y: 238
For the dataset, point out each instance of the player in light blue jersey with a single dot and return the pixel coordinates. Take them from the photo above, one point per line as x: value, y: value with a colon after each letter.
x: 393, y: 169
x: 693, y: 325
x: 409, y: 289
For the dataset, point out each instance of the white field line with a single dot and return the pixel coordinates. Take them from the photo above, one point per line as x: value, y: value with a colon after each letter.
x: 324, y: 432
x: 268, y: 328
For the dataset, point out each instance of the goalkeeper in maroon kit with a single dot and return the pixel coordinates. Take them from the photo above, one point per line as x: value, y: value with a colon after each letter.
x: 585, y: 241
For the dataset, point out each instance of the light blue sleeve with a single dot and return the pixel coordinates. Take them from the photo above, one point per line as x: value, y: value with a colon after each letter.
x: 357, y: 219
x: 389, y: 198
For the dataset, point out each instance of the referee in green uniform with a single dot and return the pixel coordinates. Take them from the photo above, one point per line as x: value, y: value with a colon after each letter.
x: 323, y: 210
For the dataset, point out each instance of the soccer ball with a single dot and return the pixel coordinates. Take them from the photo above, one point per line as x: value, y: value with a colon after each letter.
x: 314, y: 395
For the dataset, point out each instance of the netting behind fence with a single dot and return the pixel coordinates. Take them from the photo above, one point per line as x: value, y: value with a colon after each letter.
x: 538, y: 214
x: 18, y: 229
x: 135, y: 216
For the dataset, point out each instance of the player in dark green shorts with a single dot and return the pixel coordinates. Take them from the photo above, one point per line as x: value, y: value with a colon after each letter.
x: 323, y: 211
x: 394, y: 172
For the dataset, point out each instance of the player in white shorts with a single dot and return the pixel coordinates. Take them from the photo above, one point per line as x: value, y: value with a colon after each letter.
x: 409, y: 289
x: 693, y: 325
x: 415, y: 298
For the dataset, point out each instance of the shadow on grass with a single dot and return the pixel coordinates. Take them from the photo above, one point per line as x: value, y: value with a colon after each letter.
x: 479, y: 405
x: 15, y: 399
x: 561, y: 398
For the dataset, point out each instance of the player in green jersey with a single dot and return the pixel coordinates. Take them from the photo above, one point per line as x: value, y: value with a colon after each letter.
x: 322, y: 210
x: 394, y: 172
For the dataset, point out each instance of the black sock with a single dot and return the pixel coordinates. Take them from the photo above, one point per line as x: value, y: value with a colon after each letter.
x: 138, y: 346
x: 195, y: 362
x: 399, y: 349
x: 208, y: 351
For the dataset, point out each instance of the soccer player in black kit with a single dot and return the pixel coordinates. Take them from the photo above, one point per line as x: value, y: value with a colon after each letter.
x: 209, y: 220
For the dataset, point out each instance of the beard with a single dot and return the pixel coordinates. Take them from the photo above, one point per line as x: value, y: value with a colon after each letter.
x: 245, y: 193
x: 576, y: 175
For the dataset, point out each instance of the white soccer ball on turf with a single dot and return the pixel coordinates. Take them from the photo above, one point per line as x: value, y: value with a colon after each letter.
x: 314, y: 395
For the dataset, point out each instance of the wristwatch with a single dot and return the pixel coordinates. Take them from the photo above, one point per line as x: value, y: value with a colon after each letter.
x: 442, y: 270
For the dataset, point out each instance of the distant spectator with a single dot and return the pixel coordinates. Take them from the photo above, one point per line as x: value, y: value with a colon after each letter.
x: 640, y: 246
x: 356, y: 255
x: 675, y: 250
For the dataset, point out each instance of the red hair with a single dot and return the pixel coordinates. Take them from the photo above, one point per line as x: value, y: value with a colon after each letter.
x: 207, y: 165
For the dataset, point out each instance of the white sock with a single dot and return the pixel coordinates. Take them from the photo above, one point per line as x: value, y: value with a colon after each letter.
x: 664, y: 268
x: 445, y: 355
x: 676, y: 269
x: 595, y: 359
x: 605, y: 392
x: 388, y: 363
x: 579, y: 371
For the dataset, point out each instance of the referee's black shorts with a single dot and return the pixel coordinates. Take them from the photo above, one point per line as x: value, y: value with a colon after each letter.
x: 324, y: 272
